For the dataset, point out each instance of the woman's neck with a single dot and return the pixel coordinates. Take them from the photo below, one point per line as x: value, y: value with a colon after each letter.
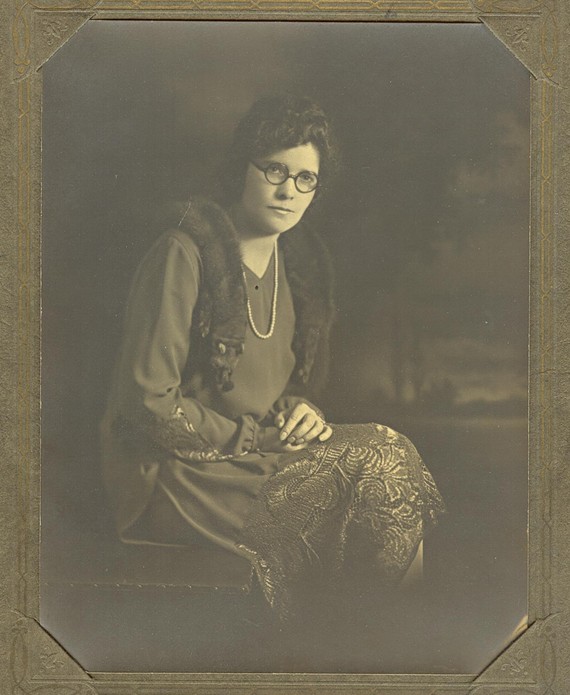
x: 256, y: 249
x: 256, y: 252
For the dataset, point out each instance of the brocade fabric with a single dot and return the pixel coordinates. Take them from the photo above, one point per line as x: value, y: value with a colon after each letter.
x: 362, y: 498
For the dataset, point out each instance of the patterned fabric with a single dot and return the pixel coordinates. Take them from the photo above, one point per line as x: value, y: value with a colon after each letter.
x: 363, y: 498
x: 176, y: 435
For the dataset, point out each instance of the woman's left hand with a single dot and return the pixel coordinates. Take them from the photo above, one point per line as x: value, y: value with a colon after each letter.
x: 301, y: 424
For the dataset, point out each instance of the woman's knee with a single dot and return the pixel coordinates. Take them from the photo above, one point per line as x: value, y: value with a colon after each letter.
x: 390, y: 436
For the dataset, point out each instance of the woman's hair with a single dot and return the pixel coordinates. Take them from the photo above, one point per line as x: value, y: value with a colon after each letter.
x: 276, y: 123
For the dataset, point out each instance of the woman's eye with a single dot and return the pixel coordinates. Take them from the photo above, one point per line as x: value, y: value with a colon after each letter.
x: 274, y: 168
x: 307, y: 177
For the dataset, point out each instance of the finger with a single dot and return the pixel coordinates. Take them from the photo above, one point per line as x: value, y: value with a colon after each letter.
x: 296, y: 416
x: 295, y: 432
x: 306, y: 425
x: 280, y: 419
x: 325, y: 434
x: 315, y: 430
x: 294, y: 447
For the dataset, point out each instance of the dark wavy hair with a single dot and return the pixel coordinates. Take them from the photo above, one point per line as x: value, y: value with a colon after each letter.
x: 274, y: 123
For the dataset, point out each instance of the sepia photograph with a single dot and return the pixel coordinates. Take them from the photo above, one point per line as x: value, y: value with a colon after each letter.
x: 285, y: 310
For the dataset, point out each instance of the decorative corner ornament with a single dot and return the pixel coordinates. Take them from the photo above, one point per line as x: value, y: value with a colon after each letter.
x: 53, y: 30
x: 38, y: 33
x: 38, y: 660
x: 529, y: 663
x: 521, y: 36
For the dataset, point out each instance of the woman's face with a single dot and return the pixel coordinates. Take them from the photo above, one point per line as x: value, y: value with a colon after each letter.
x: 268, y: 209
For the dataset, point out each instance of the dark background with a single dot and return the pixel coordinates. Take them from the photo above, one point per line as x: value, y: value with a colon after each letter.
x: 428, y: 226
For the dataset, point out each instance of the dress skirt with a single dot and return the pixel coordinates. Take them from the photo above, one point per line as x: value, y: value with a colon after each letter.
x: 363, y: 498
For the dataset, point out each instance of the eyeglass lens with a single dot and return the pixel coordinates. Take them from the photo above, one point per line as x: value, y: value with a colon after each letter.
x: 277, y: 173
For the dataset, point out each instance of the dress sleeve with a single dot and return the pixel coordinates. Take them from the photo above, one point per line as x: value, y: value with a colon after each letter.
x: 154, y: 353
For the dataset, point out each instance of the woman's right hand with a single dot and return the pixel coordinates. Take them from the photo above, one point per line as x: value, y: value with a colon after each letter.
x: 272, y: 443
x: 302, y: 424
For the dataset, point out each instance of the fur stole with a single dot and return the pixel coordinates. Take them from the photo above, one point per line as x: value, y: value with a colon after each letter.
x: 221, y: 313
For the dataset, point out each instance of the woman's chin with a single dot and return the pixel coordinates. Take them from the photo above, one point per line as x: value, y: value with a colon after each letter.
x: 283, y: 224
x: 273, y: 229
x: 263, y: 225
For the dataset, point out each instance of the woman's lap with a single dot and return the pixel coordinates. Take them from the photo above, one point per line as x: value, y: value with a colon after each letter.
x: 364, y: 497
x: 206, y: 502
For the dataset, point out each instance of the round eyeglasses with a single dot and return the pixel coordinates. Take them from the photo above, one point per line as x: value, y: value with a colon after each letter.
x: 277, y: 173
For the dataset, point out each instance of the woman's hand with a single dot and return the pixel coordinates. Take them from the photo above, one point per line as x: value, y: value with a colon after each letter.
x: 272, y: 442
x: 301, y: 425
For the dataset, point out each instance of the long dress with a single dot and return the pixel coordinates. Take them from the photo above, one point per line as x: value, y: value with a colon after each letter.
x: 365, y: 492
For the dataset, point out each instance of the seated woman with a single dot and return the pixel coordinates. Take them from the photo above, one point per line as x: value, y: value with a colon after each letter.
x: 211, y: 434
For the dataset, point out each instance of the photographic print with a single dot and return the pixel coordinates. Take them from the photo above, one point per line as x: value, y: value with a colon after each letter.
x: 285, y: 387
x: 394, y: 158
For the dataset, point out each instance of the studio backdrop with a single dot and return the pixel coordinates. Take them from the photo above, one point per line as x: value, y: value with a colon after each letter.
x: 427, y: 223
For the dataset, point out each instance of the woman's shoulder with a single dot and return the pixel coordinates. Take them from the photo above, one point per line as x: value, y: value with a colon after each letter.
x: 172, y: 260
x: 177, y: 238
x: 175, y: 246
x: 198, y: 225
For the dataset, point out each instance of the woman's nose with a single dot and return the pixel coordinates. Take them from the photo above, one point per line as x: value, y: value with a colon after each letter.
x: 286, y: 189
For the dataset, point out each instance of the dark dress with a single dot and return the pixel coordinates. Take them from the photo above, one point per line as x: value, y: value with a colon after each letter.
x: 365, y: 487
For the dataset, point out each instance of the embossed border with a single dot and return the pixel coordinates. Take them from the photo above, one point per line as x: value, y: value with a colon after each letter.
x: 538, y: 662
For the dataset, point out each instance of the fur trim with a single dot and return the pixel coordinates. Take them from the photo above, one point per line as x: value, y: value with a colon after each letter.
x: 222, y: 307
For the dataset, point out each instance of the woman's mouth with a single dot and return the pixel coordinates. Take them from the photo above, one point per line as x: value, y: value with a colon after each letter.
x: 280, y: 210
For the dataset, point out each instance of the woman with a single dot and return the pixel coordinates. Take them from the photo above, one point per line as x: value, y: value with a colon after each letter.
x: 210, y: 434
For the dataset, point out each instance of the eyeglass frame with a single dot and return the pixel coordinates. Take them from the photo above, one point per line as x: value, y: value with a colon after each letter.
x: 289, y: 175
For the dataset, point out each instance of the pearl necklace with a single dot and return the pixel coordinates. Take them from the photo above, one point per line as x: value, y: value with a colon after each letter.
x: 269, y: 333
